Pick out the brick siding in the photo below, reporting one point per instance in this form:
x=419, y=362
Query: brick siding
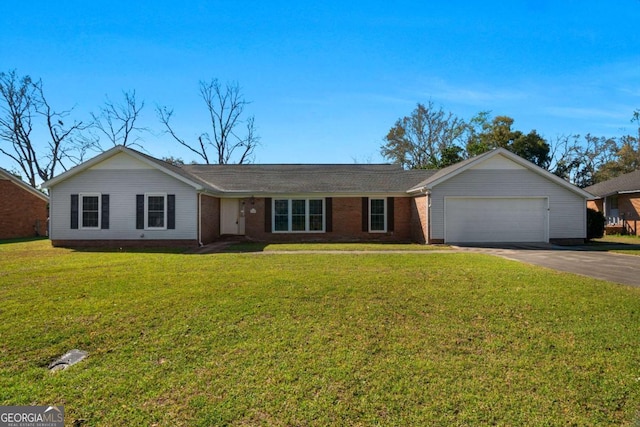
x=140, y=243
x=22, y=214
x=347, y=224
x=210, y=219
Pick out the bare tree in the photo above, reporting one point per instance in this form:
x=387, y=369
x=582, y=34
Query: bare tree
x=118, y=121
x=23, y=107
x=231, y=138
x=427, y=139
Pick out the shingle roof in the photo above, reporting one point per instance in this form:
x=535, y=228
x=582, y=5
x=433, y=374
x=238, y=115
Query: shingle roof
x=307, y=178
x=4, y=174
x=623, y=183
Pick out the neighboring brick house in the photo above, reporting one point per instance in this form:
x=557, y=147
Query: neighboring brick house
x=619, y=200
x=124, y=197
x=23, y=209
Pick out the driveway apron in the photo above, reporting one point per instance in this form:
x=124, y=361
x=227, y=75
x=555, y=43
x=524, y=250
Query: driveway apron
x=613, y=267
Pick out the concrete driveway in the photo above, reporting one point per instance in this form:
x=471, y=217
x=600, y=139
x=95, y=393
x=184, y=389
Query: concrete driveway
x=614, y=267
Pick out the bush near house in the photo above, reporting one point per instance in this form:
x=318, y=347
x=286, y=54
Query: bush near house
x=595, y=224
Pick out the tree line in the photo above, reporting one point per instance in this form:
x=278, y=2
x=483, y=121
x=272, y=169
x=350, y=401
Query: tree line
x=431, y=138
x=43, y=141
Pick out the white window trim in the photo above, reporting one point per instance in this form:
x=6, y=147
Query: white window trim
x=306, y=214
x=146, y=211
x=384, y=200
x=81, y=196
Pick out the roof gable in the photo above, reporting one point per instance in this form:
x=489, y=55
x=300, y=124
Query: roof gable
x=6, y=175
x=120, y=157
x=499, y=158
x=627, y=183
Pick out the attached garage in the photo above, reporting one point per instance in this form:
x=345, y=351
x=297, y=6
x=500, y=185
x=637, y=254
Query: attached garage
x=496, y=219
x=499, y=197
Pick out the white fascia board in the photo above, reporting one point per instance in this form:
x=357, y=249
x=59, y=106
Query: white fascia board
x=110, y=153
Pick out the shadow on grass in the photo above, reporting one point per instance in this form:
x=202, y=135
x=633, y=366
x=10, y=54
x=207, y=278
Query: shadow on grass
x=22, y=240
x=243, y=247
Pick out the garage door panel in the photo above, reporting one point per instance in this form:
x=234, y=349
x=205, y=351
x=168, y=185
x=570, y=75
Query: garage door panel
x=495, y=220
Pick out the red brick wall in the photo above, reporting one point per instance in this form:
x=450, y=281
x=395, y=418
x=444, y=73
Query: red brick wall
x=629, y=206
x=140, y=243
x=419, y=219
x=595, y=204
x=210, y=219
x=22, y=214
x=347, y=224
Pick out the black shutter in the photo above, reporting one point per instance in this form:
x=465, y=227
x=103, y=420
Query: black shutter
x=328, y=219
x=139, y=211
x=365, y=214
x=267, y=214
x=171, y=211
x=74, y=211
x=390, y=213
x=105, y=212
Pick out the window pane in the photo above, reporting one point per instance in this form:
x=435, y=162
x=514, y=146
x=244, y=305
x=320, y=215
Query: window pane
x=315, y=215
x=315, y=207
x=298, y=207
x=155, y=211
x=90, y=203
x=281, y=219
x=156, y=203
x=298, y=217
x=90, y=211
x=377, y=215
x=377, y=207
x=281, y=207
x=89, y=219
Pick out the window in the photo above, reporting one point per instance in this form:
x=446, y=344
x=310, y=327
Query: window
x=156, y=213
x=90, y=210
x=298, y=215
x=377, y=217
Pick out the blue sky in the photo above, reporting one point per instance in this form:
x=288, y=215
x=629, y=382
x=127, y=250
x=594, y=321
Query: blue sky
x=327, y=80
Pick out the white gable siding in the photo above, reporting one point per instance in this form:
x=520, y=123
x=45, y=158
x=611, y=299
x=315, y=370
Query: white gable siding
x=122, y=187
x=566, y=209
x=498, y=162
x=121, y=161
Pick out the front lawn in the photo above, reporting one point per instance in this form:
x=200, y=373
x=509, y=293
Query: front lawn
x=308, y=339
x=629, y=245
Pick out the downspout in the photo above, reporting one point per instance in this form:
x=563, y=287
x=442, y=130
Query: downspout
x=200, y=220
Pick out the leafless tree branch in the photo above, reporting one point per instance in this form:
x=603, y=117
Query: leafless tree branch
x=225, y=107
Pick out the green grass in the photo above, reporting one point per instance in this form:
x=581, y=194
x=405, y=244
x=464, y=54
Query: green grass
x=629, y=245
x=353, y=339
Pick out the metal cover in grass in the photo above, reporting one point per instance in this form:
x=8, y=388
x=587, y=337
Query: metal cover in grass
x=70, y=358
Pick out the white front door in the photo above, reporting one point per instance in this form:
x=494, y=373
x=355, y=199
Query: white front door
x=231, y=216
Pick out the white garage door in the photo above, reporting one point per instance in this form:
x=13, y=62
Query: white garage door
x=489, y=220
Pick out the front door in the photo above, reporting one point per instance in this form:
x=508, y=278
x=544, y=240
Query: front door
x=232, y=216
